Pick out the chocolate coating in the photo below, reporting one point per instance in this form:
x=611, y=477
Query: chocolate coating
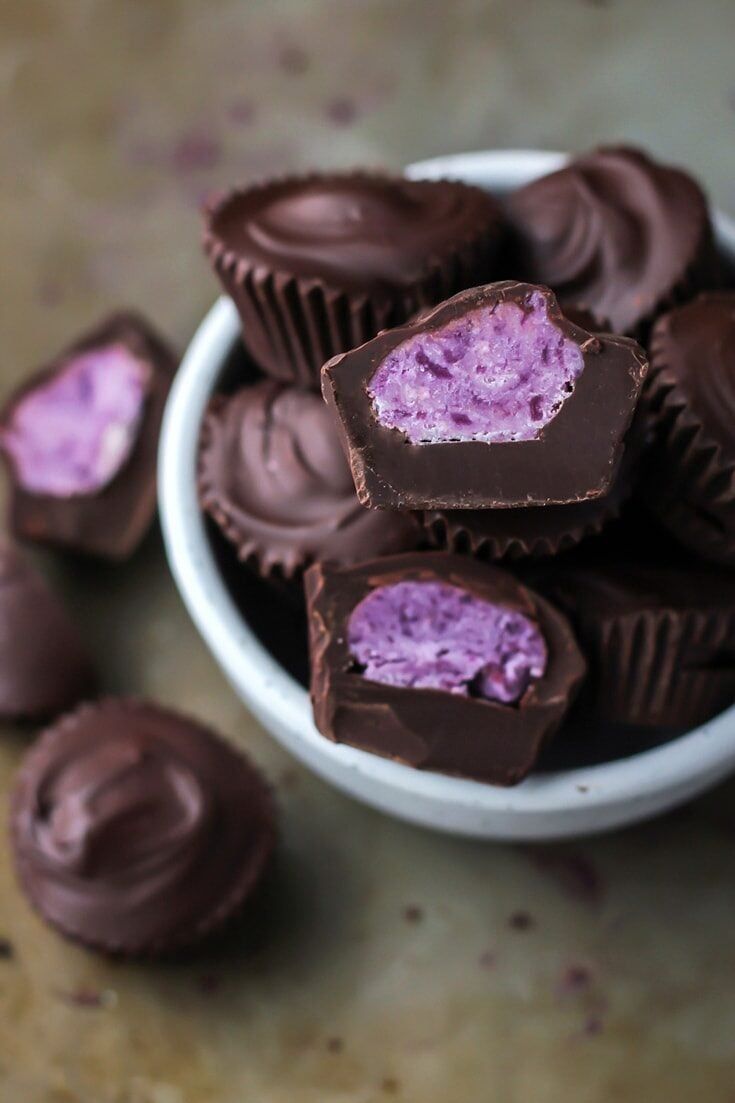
x=273, y=476
x=574, y=458
x=44, y=666
x=112, y=521
x=429, y=728
x=615, y=233
x=137, y=831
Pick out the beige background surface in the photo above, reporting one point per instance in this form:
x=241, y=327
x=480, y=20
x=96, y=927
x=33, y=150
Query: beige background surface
x=387, y=963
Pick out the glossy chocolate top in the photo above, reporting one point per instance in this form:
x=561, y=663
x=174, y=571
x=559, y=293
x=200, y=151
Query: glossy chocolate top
x=136, y=829
x=613, y=232
x=355, y=231
x=273, y=475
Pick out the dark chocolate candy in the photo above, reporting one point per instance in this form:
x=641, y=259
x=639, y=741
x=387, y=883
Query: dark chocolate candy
x=274, y=478
x=492, y=400
x=318, y=264
x=659, y=639
x=137, y=831
x=491, y=719
x=80, y=440
x=44, y=666
x=691, y=393
x=616, y=233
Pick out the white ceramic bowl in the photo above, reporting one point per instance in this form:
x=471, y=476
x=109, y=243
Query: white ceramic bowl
x=546, y=806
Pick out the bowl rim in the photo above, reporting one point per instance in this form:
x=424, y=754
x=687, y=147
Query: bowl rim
x=568, y=802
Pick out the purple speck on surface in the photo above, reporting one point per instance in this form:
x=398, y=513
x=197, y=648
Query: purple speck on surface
x=487, y=960
x=573, y=872
x=521, y=921
x=575, y=980
x=242, y=112
x=293, y=59
x=592, y=1026
x=506, y=370
x=412, y=913
x=73, y=433
x=195, y=151
x=341, y=111
x=430, y=635
x=335, y=1045
x=89, y=999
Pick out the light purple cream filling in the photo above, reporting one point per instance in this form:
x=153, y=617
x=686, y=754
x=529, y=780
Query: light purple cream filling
x=72, y=434
x=496, y=374
x=430, y=635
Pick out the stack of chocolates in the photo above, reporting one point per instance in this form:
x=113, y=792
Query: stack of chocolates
x=513, y=512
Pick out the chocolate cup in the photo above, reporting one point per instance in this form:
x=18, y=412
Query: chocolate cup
x=294, y=321
x=658, y=641
x=425, y=728
x=103, y=925
x=591, y=426
x=111, y=523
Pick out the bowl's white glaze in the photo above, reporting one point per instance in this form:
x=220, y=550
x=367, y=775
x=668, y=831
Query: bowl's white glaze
x=546, y=806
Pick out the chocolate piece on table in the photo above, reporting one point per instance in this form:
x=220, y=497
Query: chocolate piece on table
x=492, y=400
x=439, y=662
x=44, y=666
x=691, y=394
x=273, y=477
x=80, y=440
x=615, y=233
x=137, y=831
x=659, y=639
x=318, y=264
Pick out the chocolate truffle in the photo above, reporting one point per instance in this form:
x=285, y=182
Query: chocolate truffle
x=137, y=831
x=491, y=400
x=273, y=477
x=691, y=393
x=439, y=662
x=80, y=440
x=44, y=666
x=319, y=264
x=659, y=640
x=615, y=233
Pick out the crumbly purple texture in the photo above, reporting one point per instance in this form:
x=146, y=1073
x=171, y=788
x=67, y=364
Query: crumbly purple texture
x=430, y=635
x=499, y=373
x=72, y=434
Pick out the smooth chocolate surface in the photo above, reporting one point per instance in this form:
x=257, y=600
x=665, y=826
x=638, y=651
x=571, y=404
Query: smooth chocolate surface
x=575, y=455
x=273, y=476
x=104, y=510
x=659, y=639
x=429, y=728
x=615, y=233
x=44, y=666
x=136, y=830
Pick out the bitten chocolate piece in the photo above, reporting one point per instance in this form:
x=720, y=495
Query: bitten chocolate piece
x=137, y=831
x=659, y=640
x=691, y=393
x=490, y=400
x=318, y=264
x=439, y=662
x=80, y=440
x=615, y=233
x=44, y=666
x=273, y=477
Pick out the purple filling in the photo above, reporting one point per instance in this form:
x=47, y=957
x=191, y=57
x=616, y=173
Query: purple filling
x=429, y=635
x=499, y=373
x=73, y=433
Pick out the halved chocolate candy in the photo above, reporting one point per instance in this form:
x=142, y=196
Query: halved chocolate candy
x=80, y=440
x=491, y=400
x=440, y=662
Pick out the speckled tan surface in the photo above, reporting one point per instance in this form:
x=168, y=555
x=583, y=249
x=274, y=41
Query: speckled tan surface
x=387, y=963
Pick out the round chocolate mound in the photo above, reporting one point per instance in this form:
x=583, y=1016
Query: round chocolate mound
x=614, y=233
x=44, y=666
x=319, y=264
x=273, y=476
x=137, y=831
x=691, y=479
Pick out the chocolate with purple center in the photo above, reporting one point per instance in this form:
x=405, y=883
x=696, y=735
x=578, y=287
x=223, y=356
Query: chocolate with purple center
x=430, y=635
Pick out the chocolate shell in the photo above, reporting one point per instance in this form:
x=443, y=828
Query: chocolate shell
x=574, y=455
x=273, y=477
x=111, y=519
x=426, y=727
x=615, y=233
x=319, y=264
x=137, y=831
